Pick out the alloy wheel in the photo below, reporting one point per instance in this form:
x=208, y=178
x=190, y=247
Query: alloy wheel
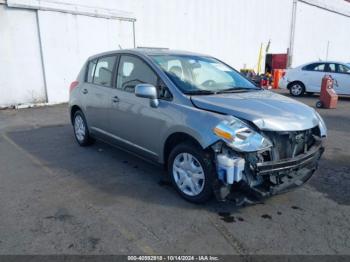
x=79, y=128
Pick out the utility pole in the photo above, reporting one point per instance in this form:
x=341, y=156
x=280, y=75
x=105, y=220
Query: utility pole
x=292, y=33
x=327, y=52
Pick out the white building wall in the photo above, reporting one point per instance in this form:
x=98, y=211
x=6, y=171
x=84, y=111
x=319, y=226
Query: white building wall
x=68, y=40
x=230, y=30
x=21, y=77
x=315, y=28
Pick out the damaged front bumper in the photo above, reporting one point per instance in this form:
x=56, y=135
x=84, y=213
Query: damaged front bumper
x=283, y=175
x=287, y=165
x=264, y=179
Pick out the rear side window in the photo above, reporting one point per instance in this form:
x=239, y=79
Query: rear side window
x=331, y=68
x=320, y=67
x=104, y=71
x=91, y=70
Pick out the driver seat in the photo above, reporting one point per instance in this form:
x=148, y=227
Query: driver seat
x=177, y=71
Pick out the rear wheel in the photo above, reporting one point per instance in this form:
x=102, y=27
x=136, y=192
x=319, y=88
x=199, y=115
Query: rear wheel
x=319, y=104
x=192, y=172
x=297, y=89
x=81, y=130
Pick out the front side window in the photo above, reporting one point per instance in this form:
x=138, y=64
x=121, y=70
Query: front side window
x=133, y=71
x=202, y=75
x=104, y=71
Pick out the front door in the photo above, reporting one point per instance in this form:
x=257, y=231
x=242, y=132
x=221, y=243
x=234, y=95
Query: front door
x=134, y=122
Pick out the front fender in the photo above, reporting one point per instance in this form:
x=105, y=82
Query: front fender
x=196, y=123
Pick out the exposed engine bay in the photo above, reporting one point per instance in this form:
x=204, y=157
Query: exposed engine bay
x=251, y=176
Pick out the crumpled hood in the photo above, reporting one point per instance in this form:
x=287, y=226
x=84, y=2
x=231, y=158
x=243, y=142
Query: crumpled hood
x=267, y=110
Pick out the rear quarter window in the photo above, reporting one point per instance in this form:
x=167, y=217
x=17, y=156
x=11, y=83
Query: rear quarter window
x=90, y=70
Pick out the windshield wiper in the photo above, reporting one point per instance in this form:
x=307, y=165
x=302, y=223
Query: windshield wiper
x=237, y=89
x=223, y=91
x=200, y=92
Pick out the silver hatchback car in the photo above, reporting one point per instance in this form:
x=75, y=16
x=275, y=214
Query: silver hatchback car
x=213, y=129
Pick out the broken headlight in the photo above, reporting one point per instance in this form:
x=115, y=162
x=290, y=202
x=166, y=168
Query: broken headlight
x=241, y=137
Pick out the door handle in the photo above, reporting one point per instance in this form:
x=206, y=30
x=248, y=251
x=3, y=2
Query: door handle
x=115, y=99
x=85, y=91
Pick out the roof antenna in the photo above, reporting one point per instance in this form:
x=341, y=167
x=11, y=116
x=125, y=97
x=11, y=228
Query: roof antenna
x=120, y=47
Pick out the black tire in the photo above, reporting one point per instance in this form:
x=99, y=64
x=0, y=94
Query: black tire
x=87, y=139
x=296, y=89
x=206, y=161
x=319, y=104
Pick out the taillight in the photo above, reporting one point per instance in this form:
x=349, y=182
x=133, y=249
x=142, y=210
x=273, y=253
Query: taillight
x=73, y=85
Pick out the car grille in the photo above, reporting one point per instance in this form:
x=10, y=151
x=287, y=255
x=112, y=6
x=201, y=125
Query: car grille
x=291, y=144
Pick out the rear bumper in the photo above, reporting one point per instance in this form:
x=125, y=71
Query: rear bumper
x=283, y=83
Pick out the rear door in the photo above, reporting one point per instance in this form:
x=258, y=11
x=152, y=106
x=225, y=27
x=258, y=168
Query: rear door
x=97, y=92
x=312, y=76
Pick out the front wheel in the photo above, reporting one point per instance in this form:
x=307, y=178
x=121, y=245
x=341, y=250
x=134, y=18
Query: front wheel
x=192, y=172
x=297, y=89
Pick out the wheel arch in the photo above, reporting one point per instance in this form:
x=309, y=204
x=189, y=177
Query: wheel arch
x=175, y=139
x=294, y=82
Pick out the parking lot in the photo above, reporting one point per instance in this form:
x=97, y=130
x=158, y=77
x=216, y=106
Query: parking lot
x=59, y=198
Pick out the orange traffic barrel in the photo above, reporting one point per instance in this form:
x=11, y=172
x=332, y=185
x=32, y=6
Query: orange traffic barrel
x=277, y=75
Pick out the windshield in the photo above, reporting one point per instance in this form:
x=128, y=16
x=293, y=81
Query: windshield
x=202, y=75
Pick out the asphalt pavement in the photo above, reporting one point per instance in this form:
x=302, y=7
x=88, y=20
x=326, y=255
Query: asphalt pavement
x=59, y=198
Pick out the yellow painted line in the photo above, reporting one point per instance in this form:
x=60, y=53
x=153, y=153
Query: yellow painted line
x=145, y=248
x=127, y=234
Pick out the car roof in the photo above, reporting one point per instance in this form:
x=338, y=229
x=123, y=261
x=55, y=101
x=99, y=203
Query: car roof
x=321, y=62
x=148, y=52
x=328, y=62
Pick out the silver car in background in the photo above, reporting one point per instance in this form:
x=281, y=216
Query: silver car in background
x=213, y=130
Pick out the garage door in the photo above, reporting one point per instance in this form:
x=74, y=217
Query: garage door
x=69, y=39
x=21, y=73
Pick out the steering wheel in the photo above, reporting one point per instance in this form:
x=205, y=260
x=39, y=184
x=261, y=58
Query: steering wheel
x=208, y=83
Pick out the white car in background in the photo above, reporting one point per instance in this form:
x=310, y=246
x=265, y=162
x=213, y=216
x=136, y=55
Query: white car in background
x=308, y=78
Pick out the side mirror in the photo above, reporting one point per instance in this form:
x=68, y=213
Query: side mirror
x=147, y=91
